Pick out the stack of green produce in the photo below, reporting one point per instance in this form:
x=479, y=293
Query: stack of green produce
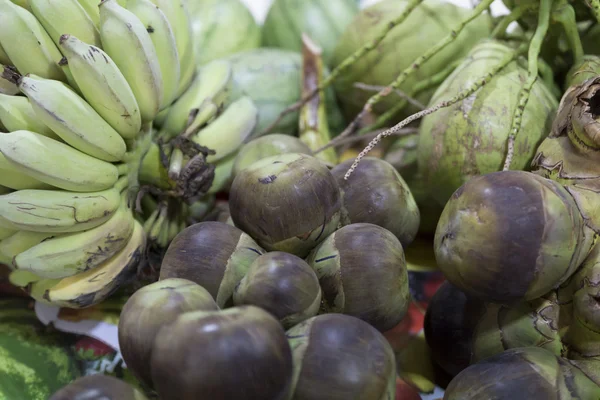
x=127, y=122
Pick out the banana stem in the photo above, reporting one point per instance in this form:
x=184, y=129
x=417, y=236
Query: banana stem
x=123, y=169
x=158, y=224
x=176, y=164
x=346, y=63
x=121, y=184
x=565, y=15
x=151, y=220
x=481, y=7
x=477, y=84
x=534, y=52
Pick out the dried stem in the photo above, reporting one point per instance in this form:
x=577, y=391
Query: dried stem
x=525, y=92
x=479, y=83
x=481, y=7
x=400, y=93
x=346, y=63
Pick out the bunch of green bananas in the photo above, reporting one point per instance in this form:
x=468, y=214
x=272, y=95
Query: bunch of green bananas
x=85, y=89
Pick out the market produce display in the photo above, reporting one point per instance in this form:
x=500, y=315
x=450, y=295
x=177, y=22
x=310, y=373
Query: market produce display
x=393, y=201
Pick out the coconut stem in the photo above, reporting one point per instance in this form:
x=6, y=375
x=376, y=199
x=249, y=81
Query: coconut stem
x=477, y=84
x=418, y=88
x=517, y=13
x=565, y=15
x=534, y=52
x=481, y=7
x=595, y=5
x=348, y=61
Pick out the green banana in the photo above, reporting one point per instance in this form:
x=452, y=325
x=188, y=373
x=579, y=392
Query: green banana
x=22, y=278
x=19, y=242
x=178, y=16
x=103, y=85
x=128, y=43
x=65, y=16
x=4, y=57
x=17, y=114
x=223, y=171
x=58, y=210
x=163, y=38
x=6, y=87
x=27, y=44
x=12, y=178
x=73, y=253
x=72, y=118
x=213, y=83
x=6, y=232
x=229, y=130
x=56, y=163
x=92, y=10
x=22, y=3
x=92, y=287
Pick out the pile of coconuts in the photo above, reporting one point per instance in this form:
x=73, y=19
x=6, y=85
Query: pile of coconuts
x=476, y=135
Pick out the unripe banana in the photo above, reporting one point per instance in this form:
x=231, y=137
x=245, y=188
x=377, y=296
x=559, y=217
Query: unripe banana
x=17, y=114
x=223, y=171
x=4, y=57
x=178, y=16
x=128, y=43
x=21, y=241
x=12, y=178
x=22, y=278
x=58, y=210
x=226, y=133
x=7, y=87
x=72, y=118
x=163, y=38
x=56, y=163
x=65, y=17
x=212, y=83
x=103, y=85
x=22, y=3
x=92, y=287
x=27, y=44
x=6, y=232
x=74, y=253
x=92, y=10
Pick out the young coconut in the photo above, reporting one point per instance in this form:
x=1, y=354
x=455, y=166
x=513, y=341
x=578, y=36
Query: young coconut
x=530, y=373
x=469, y=138
x=362, y=271
x=378, y=195
x=284, y=285
x=339, y=357
x=462, y=330
x=509, y=236
x=150, y=308
x=289, y=202
x=214, y=255
x=240, y=353
x=267, y=146
x=96, y=387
